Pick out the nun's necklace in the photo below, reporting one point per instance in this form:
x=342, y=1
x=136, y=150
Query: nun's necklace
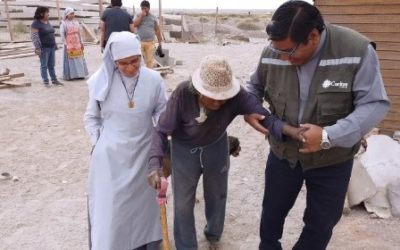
x=131, y=103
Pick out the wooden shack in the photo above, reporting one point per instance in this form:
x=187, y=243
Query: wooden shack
x=380, y=21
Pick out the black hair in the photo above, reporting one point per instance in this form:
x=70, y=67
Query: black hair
x=145, y=4
x=295, y=19
x=116, y=3
x=39, y=12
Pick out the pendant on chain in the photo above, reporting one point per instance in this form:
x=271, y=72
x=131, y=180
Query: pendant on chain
x=131, y=104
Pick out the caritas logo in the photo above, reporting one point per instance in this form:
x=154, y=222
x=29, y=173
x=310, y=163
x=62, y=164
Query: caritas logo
x=328, y=83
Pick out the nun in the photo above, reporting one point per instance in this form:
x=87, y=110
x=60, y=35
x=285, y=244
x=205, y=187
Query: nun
x=125, y=101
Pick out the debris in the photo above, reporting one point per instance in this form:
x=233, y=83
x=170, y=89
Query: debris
x=13, y=80
x=6, y=72
x=5, y=176
x=396, y=135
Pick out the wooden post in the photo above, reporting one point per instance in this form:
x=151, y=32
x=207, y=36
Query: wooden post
x=10, y=28
x=160, y=18
x=100, y=8
x=58, y=12
x=216, y=22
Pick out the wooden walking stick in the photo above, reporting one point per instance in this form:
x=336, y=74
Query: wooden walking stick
x=162, y=200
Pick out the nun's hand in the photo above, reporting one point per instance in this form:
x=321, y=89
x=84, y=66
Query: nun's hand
x=154, y=178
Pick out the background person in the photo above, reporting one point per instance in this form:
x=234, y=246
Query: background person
x=147, y=28
x=44, y=41
x=74, y=64
x=114, y=19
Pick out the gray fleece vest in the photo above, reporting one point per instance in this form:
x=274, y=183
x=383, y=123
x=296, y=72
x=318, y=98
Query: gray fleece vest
x=330, y=95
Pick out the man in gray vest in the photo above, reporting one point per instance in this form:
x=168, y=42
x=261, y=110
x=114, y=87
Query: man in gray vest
x=324, y=78
x=147, y=28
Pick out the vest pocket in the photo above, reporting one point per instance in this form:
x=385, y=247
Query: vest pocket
x=332, y=106
x=276, y=101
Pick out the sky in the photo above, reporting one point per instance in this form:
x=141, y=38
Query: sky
x=211, y=4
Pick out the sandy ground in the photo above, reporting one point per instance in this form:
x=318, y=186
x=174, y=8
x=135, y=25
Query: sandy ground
x=44, y=144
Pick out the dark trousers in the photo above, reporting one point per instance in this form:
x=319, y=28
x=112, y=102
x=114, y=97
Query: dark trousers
x=326, y=191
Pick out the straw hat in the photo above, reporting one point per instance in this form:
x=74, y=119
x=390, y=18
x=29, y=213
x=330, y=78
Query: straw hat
x=214, y=79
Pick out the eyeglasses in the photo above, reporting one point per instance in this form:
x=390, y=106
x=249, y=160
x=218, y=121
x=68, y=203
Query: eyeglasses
x=135, y=62
x=287, y=52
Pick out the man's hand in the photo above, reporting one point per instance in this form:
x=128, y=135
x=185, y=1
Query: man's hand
x=254, y=121
x=154, y=178
x=312, y=138
x=295, y=133
x=144, y=13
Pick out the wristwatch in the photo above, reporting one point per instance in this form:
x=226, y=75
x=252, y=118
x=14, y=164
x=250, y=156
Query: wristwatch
x=325, y=143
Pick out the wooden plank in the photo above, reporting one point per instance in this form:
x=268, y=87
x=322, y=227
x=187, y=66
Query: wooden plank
x=11, y=76
x=17, y=82
x=372, y=27
x=89, y=32
x=18, y=56
x=390, y=73
x=390, y=124
x=390, y=64
x=92, y=20
x=319, y=3
x=394, y=106
x=388, y=46
x=395, y=99
x=16, y=75
x=383, y=37
x=391, y=82
x=4, y=78
x=389, y=55
x=383, y=19
x=361, y=9
x=15, y=51
x=393, y=90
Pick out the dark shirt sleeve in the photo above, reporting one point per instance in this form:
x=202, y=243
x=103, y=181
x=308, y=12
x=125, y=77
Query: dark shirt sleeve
x=249, y=104
x=103, y=17
x=168, y=122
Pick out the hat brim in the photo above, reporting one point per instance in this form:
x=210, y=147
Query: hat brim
x=223, y=95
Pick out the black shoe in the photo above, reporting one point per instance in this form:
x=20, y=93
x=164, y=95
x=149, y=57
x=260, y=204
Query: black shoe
x=57, y=83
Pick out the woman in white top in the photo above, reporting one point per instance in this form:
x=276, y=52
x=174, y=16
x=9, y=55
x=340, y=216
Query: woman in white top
x=125, y=99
